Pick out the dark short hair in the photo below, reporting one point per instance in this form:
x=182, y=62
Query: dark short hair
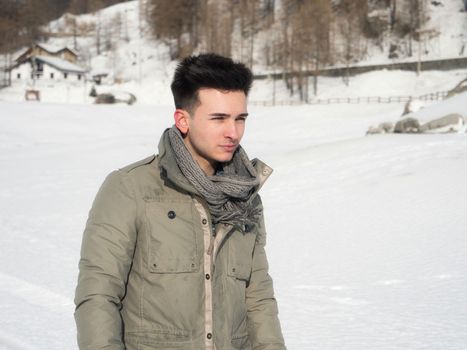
x=207, y=71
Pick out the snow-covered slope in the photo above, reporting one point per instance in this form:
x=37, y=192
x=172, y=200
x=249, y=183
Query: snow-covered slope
x=366, y=234
x=445, y=36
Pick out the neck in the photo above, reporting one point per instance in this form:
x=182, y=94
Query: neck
x=208, y=167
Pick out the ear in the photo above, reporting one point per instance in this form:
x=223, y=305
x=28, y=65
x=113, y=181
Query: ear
x=181, y=118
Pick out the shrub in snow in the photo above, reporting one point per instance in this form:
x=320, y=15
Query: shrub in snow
x=115, y=97
x=407, y=126
x=105, y=99
x=449, y=123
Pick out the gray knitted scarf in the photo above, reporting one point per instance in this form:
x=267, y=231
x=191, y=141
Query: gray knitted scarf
x=228, y=192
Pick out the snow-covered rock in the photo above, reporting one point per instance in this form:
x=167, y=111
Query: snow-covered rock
x=407, y=126
x=449, y=123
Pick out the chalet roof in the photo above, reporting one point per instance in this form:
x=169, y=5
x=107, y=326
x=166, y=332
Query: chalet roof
x=60, y=64
x=55, y=49
x=52, y=49
x=48, y=47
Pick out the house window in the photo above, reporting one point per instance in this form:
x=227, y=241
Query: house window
x=65, y=75
x=40, y=67
x=18, y=76
x=79, y=76
x=51, y=75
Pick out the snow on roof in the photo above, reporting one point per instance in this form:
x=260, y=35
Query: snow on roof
x=50, y=48
x=61, y=64
x=46, y=47
x=53, y=48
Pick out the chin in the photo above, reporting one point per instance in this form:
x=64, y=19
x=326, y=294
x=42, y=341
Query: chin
x=225, y=158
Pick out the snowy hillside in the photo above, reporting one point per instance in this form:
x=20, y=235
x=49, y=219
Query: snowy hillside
x=141, y=65
x=446, y=35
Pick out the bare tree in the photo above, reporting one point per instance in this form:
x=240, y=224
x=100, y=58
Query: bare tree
x=170, y=20
x=98, y=28
x=87, y=6
x=409, y=17
x=306, y=41
x=352, y=16
x=217, y=26
x=417, y=18
x=31, y=15
x=249, y=25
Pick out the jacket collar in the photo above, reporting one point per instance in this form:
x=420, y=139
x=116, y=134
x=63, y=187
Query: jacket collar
x=263, y=170
x=174, y=174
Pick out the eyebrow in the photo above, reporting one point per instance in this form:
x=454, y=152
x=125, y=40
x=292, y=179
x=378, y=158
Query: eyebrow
x=227, y=115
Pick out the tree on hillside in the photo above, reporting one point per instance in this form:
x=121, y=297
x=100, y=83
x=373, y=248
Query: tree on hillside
x=8, y=24
x=170, y=20
x=216, y=27
x=32, y=14
x=306, y=41
x=417, y=18
x=99, y=29
x=79, y=6
x=250, y=23
x=352, y=16
x=87, y=6
x=56, y=8
x=409, y=17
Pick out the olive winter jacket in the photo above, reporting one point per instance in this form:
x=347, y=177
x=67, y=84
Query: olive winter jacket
x=155, y=273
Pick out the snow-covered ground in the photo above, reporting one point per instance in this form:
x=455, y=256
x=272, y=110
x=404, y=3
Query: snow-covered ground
x=367, y=241
x=154, y=88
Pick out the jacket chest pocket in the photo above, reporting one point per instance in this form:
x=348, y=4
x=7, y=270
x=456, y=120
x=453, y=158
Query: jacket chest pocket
x=241, y=246
x=172, y=244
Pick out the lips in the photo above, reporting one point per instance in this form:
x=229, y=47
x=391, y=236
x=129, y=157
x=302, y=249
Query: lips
x=229, y=148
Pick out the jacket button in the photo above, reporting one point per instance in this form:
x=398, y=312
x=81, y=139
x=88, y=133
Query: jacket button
x=171, y=214
x=207, y=276
x=209, y=336
x=204, y=221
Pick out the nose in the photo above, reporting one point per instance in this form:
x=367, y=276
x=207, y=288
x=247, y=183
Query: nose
x=230, y=130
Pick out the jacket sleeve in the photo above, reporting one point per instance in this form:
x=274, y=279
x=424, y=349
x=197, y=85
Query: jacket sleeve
x=106, y=256
x=262, y=313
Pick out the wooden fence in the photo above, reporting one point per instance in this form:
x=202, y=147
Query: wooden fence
x=439, y=95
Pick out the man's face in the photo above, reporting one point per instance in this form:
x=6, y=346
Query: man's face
x=215, y=127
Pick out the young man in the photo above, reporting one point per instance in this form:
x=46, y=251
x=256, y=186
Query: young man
x=173, y=251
